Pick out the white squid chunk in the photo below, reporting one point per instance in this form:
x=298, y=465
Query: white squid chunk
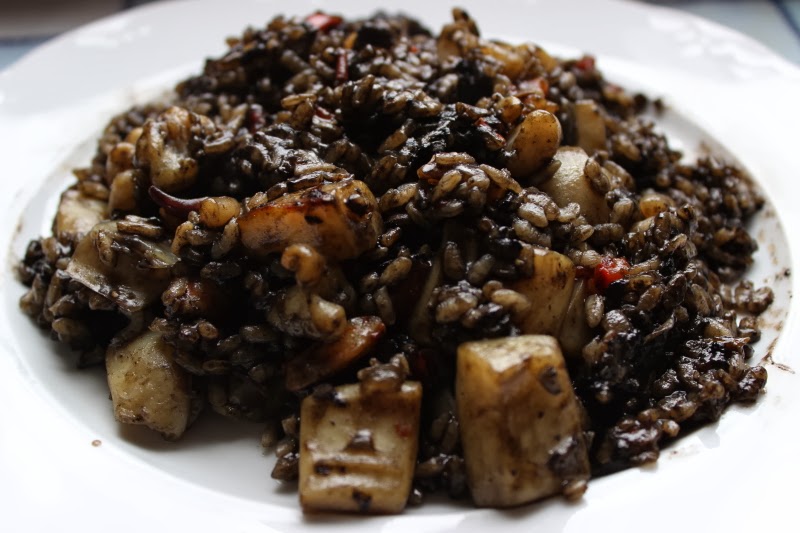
x=358, y=450
x=520, y=421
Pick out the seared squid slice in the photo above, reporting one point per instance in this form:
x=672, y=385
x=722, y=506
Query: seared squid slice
x=359, y=338
x=77, y=214
x=133, y=278
x=590, y=127
x=548, y=290
x=340, y=220
x=575, y=332
x=165, y=148
x=358, y=448
x=147, y=386
x=520, y=421
x=571, y=184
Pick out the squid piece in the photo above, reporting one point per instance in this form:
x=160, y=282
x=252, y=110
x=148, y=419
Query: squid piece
x=549, y=290
x=122, y=195
x=571, y=184
x=358, y=449
x=359, y=338
x=340, y=220
x=512, y=59
x=590, y=127
x=147, y=386
x=421, y=322
x=575, y=332
x=547, y=61
x=77, y=214
x=521, y=425
x=132, y=279
x=164, y=149
x=456, y=37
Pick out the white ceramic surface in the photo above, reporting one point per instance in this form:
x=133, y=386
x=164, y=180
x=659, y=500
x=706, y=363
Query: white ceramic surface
x=738, y=474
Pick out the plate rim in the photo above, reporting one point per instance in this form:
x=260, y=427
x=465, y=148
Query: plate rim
x=255, y=512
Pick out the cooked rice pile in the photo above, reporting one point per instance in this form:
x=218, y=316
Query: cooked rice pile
x=448, y=227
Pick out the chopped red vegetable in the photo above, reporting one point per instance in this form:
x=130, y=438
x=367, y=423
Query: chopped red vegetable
x=585, y=63
x=322, y=22
x=254, y=118
x=609, y=270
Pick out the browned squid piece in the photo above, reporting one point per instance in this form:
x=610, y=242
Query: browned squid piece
x=358, y=444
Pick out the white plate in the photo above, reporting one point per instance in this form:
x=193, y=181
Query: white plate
x=737, y=474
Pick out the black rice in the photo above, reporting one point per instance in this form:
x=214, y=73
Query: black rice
x=423, y=120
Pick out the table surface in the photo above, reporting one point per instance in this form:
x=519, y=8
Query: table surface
x=25, y=25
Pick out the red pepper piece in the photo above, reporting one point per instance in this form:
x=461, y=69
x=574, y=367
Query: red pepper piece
x=585, y=63
x=609, y=270
x=254, y=118
x=322, y=22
